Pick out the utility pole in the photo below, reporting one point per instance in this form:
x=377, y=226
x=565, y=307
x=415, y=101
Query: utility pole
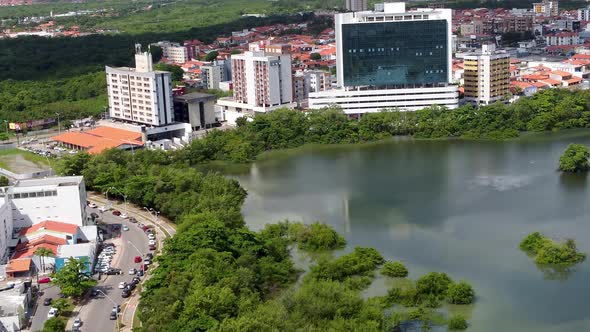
x=58, y=124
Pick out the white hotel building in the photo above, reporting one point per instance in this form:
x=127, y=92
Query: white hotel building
x=391, y=58
x=141, y=94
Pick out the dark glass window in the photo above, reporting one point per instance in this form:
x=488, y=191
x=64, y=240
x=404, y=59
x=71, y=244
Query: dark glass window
x=392, y=53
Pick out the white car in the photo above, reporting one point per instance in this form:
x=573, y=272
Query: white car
x=92, y=205
x=132, y=271
x=125, y=228
x=52, y=313
x=152, y=242
x=77, y=322
x=103, y=209
x=124, y=215
x=151, y=237
x=122, y=284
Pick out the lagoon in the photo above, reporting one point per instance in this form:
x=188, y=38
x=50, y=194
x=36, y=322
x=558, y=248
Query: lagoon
x=453, y=206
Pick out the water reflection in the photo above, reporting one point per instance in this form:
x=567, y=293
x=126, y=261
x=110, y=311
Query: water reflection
x=574, y=182
x=556, y=272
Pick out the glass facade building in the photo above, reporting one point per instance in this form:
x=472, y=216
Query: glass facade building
x=395, y=53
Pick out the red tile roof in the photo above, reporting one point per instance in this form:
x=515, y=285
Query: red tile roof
x=50, y=225
x=100, y=138
x=30, y=251
x=19, y=265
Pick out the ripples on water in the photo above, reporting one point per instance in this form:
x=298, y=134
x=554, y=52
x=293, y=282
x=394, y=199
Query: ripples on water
x=502, y=182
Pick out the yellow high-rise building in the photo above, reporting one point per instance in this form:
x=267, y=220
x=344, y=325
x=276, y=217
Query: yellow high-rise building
x=486, y=75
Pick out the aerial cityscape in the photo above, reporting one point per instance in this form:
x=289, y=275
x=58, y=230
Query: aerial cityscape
x=253, y=165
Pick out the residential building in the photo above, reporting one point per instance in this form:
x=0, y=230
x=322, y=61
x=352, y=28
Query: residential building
x=212, y=74
x=546, y=8
x=15, y=306
x=584, y=14
x=300, y=88
x=262, y=81
x=5, y=228
x=174, y=52
x=356, y=5
x=56, y=198
x=140, y=95
x=486, y=75
x=562, y=38
x=318, y=80
x=195, y=108
x=391, y=58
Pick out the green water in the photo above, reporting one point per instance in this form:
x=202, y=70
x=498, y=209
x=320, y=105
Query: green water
x=459, y=207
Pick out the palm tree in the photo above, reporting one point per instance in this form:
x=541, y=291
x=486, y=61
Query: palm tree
x=43, y=252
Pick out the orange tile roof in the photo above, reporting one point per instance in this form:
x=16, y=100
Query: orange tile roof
x=30, y=251
x=100, y=138
x=539, y=84
x=19, y=265
x=522, y=85
x=50, y=225
x=581, y=56
x=574, y=79
x=43, y=239
x=550, y=81
x=561, y=73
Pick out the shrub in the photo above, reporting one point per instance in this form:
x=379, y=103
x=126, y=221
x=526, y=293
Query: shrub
x=394, y=270
x=533, y=242
x=316, y=237
x=457, y=322
x=461, y=293
x=548, y=251
x=433, y=283
x=574, y=158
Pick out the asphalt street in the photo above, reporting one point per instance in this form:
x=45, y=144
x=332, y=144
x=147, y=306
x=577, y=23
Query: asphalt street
x=96, y=311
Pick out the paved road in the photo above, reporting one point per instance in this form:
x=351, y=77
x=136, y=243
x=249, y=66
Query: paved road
x=42, y=311
x=95, y=314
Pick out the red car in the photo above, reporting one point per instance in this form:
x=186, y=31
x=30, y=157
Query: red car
x=116, y=213
x=137, y=259
x=45, y=280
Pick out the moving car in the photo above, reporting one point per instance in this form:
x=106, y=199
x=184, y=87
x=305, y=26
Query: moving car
x=47, y=301
x=45, y=280
x=116, y=213
x=52, y=313
x=113, y=271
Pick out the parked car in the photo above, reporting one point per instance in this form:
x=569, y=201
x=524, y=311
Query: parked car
x=47, y=301
x=132, y=220
x=77, y=322
x=139, y=273
x=117, y=308
x=152, y=242
x=125, y=228
x=113, y=271
x=152, y=247
x=125, y=293
x=147, y=261
x=151, y=237
x=92, y=205
x=137, y=259
x=94, y=292
x=124, y=215
x=116, y=213
x=52, y=313
x=122, y=284
x=149, y=255
x=113, y=315
x=103, y=209
x=132, y=271
x=44, y=280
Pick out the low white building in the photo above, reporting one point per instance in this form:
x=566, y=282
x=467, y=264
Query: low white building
x=6, y=225
x=562, y=38
x=14, y=304
x=56, y=198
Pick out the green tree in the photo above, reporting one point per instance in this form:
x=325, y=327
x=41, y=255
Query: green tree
x=574, y=158
x=394, y=270
x=61, y=305
x=315, y=56
x=211, y=56
x=533, y=242
x=457, y=322
x=54, y=324
x=71, y=278
x=461, y=293
x=42, y=253
x=73, y=164
x=4, y=181
x=157, y=53
x=433, y=287
x=176, y=71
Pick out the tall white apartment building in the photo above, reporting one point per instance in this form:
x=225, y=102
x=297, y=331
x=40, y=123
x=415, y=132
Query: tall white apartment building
x=174, y=52
x=546, y=8
x=262, y=82
x=212, y=74
x=356, y=5
x=391, y=58
x=140, y=95
x=487, y=75
x=584, y=14
x=318, y=80
x=61, y=199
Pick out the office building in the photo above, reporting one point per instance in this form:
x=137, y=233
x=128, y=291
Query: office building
x=546, y=8
x=356, y=5
x=262, y=82
x=140, y=95
x=391, y=58
x=213, y=74
x=195, y=108
x=487, y=75
x=61, y=199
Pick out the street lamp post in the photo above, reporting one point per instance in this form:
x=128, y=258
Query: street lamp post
x=58, y=124
x=114, y=303
x=124, y=197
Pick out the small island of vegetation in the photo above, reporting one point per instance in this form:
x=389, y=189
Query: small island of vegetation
x=574, y=159
x=548, y=251
x=394, y=270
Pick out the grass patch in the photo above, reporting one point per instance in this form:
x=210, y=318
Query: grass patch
x=7, y=156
